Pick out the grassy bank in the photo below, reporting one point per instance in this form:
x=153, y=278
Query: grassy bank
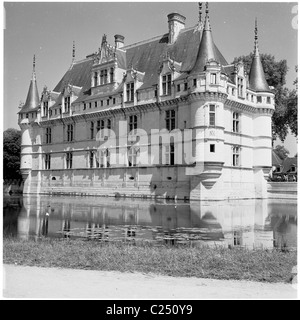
x=203, y=262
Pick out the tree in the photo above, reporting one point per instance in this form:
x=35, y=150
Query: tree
x=285, y=115
x=11, y=154
x=281, y=151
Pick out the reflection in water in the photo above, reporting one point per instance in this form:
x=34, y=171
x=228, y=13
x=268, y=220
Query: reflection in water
x=249, y=223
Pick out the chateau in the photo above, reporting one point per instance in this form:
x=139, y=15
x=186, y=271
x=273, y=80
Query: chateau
x=166, y=118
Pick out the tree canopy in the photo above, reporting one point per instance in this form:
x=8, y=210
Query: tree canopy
x=11, y=154
x=281, y=151
x=286, y=101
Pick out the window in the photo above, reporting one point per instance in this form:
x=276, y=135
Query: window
x=114, y=100
x=107, y=102
x=240, y=87
x=236, y=156
x=101, y=77
x=232, y=91
x=195, y=82
x=178, y=87
x=47, y=161
x=212, y=115
x=105, y=76
x=268, y=100
x=235, y=122
x=130, y=91
x=108, y=124
x=170, y=154
x=48, y=135
x=70, y=132
x=170, y=120
x=96, y=104
x=212, y=148
x=55, y=111
x=84, y=106
x=45, y=108
x=100, y=126
x=67, y=104
x=166, y=84
x=132, y=156
x=101, y=103
x=293, y=169
x=132, y=122
x=259, y=99
x=111, y=75
x=91, y=159
x=185, y=86
x=69, y=160
x=95, y=79
x=92, y=130
x=90, y=105
x=213, y=78
x=27, y=115
x=252, y=98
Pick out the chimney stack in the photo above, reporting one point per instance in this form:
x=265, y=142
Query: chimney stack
x=176, y=23
x=119, y=41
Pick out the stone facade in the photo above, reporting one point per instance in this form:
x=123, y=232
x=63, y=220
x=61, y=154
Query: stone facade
x=219, y=118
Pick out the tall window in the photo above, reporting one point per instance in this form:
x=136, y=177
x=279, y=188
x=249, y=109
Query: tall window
x=166, y=84
x=95, y=79
x=92, y=130
x=240, y=87
x=130, y=91
x=132, y=156
x=132, y=122
x=69, y=160
x=170, y=119
x=109, y=125
x=48, y=135
x=236, y=156
x=268, y=100
x=102, y=77
x=236, y=122
x=91, y=159
x=67, y=104
x=70, y=131
x=170, y=154
x=259, y=99
x=105, y=76
x=212, y=115
x=111, y=75
x=47, y=161
x=45, y=108
x=213, y=78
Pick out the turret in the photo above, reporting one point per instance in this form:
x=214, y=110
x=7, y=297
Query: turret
x=27, y=116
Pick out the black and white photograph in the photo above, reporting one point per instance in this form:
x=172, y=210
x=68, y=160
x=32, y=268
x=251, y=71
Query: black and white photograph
x=150, y=153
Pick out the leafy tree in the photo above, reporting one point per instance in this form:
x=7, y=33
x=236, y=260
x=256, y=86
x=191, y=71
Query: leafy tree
x=285, y=115
x=281, y=151
x=11, y=154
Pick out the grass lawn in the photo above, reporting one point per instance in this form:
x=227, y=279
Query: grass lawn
x=176, y=261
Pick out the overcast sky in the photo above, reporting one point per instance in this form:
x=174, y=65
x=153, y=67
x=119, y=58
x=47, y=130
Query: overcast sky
x=49, y=29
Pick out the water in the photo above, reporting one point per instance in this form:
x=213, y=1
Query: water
x=246, y=223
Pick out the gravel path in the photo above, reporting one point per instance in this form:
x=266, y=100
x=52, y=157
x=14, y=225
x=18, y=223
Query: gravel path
x=21, y=282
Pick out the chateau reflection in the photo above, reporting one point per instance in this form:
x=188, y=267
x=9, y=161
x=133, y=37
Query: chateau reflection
x=249, y=223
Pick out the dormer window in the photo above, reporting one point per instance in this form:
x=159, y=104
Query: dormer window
x=130, y=91
x=240, y=87
x=213, y=78
x=45, y=108
x=95, y=79
x=166, y=84
x=112, y=75
x=268, y=100
x=67, y=104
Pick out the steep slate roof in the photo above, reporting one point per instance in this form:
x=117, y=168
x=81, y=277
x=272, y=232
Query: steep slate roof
x=276, y=161
x=145, y=56
x=288, y=163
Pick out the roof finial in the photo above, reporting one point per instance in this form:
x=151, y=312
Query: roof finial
x=33, y=68
x=256, y=38
x=200, y=11
x=206, y=11
x=73, y=53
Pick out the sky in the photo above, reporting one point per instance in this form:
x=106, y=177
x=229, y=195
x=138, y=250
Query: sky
x=48, y=29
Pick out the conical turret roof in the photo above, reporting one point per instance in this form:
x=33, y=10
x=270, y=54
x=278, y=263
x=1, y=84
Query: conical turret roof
x=207, y=49
x=257, y=79
x=32, y=100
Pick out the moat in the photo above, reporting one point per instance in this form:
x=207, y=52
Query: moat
x=248, y=223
